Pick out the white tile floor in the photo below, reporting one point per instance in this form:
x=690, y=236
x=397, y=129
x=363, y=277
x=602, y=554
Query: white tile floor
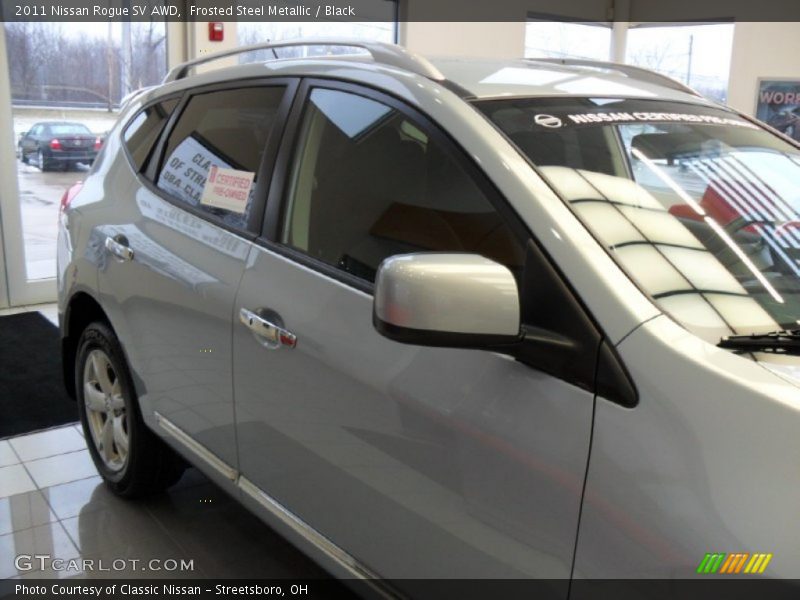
x=44, y=459
x=7, y=455
x=58, y=505
x=47, y=443
x=14, y=480
x=61, y=468
x=53, y=502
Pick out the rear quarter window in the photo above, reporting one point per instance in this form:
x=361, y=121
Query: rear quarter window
x=142, y=131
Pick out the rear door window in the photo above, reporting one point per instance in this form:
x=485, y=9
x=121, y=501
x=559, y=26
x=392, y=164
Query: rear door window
x=220, y=135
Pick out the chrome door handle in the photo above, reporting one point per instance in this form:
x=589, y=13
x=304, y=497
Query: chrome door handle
x=268, y=330
x=119, y=248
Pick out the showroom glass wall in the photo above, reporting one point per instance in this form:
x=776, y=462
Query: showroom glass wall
x=255, y=33
x=698, y=55
x=61, y=112
x=554, y=39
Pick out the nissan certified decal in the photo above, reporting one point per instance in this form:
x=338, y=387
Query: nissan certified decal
x=593, y=118
x=547, y=121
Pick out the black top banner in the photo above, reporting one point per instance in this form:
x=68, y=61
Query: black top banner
x=586, y=11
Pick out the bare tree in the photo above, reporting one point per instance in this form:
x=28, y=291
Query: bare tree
x=655, y=56
x=148, y=54
x=46, y=64
x=21, y=68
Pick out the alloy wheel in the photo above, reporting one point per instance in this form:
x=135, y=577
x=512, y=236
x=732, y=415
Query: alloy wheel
x=106, y=413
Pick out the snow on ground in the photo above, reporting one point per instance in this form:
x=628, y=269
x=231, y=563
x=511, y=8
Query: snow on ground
x=97, y=120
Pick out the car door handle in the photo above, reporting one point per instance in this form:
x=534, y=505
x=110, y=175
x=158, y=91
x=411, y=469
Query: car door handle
x=119, y=248
x=268, y=330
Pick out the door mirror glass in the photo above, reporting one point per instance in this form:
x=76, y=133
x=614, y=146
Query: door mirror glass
x=453, y=300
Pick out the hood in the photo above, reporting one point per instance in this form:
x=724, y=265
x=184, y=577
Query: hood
x=785, y=370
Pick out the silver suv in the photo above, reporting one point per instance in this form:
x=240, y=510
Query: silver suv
x=450, y=319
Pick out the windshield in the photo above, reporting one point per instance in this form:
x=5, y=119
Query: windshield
x=698, y=205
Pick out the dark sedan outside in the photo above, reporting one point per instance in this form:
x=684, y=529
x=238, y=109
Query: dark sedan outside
x=58, y=144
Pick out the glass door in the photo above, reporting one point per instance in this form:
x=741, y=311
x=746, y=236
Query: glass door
x=59, y=112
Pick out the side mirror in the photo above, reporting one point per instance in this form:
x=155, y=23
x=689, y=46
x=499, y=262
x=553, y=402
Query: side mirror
x=452, y=300
x=23, y=134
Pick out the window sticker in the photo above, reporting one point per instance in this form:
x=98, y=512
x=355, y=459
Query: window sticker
x=228, y=189
x=185, y=171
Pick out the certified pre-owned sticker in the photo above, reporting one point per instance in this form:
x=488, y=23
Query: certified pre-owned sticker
x=228, y=189
x=547, y=121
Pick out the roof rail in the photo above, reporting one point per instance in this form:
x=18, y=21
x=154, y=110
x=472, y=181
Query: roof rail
x=383, y=53
x=133, y=95
x=631, y=71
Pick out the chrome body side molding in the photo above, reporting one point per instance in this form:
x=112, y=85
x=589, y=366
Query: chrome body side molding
x=300, y=527
x=273, y=507
x=196, y=448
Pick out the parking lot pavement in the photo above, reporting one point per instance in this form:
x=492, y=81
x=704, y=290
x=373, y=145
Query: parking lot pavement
x=39, y=196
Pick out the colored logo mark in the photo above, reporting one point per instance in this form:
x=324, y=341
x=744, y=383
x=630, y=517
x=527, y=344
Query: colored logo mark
x=734, y=563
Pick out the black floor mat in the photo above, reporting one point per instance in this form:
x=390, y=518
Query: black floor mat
x=32, y=394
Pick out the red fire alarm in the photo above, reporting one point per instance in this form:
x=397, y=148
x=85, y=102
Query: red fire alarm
x=216, y=32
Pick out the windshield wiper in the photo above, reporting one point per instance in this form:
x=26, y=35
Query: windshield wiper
x=779, y=342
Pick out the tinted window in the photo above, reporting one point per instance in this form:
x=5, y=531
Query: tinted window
x=227, y=130
x=143, y=130
x=369, y=182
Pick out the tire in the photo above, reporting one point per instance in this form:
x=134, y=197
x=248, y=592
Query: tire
x=42, y=161
x=130, y=458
